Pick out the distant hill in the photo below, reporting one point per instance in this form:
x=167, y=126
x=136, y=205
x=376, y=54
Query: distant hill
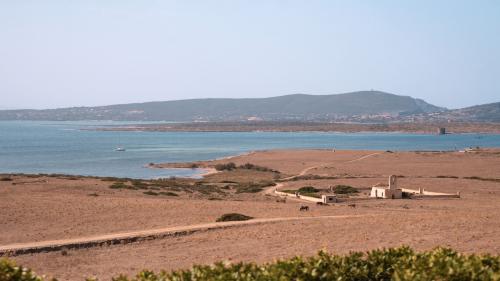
x=480, y=113
x=364, y=105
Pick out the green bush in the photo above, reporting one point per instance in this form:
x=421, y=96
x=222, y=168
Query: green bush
x=401, y=264
x=311, y=194
x=344, y=189
x=10, y=271
x=308, y=189
x=233, y=217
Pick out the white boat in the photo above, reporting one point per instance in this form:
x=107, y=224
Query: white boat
x=119, y=149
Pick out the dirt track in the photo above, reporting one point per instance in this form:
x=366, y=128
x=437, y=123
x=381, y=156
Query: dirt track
x=134, y=236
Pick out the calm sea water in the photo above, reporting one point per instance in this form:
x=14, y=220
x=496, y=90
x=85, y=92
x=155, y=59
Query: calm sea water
x=63, y=147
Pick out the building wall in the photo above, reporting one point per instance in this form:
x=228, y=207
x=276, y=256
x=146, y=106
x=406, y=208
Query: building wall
x=380, y=192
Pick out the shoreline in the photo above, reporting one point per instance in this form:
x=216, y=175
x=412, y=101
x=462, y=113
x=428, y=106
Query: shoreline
x=303, y=127
x=205, y=168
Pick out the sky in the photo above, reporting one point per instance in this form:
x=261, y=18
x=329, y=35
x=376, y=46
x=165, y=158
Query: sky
x=98, y=52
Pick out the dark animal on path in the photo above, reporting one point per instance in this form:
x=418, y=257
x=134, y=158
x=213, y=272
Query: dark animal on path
x=352, y=205
x=304, y=208
x=321, y=204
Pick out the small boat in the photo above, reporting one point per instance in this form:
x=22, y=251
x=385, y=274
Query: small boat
x=119, y=149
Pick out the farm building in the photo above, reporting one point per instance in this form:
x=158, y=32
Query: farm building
x=387, y=191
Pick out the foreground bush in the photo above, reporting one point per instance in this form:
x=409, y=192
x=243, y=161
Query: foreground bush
x=402, y=264
x=9, y=271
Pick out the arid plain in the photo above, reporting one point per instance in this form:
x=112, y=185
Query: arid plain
x=58, y=207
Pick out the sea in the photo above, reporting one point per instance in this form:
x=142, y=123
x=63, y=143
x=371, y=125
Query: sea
x=77, y=148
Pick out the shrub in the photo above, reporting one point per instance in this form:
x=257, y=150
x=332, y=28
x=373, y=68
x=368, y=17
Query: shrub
x=10, y=271
x=140, y=184
x=225, y=167
x=253, y=187
x=308, y=189
x=168, y=193
x=401, y=264
x=447, y=177
x=118, y=185
x=151, y=193
x=250, y=166
x=249, y=188
x=344, y=189
x=482, y=179
x=233, y=217
x=311, y=194
x=5, y=179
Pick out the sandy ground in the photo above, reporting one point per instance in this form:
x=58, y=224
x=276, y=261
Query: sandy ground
x=52, y=208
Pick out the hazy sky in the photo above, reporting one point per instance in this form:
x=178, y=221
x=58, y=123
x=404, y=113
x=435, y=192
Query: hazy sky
x=72, y=53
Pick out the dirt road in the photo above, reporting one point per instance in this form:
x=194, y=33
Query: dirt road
x=134, y=236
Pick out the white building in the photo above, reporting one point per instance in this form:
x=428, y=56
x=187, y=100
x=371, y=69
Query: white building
x=390, y=191
x=328, y=198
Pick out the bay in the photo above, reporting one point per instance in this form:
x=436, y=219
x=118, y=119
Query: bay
x=76, y=148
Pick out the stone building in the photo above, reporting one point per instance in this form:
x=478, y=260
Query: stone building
x=387, y=191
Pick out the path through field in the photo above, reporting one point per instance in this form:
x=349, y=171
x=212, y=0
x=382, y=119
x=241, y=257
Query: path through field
x=134, y=236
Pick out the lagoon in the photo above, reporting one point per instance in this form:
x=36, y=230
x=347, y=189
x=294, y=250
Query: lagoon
x=76, y=148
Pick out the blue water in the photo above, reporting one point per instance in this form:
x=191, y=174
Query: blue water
x=63, y=147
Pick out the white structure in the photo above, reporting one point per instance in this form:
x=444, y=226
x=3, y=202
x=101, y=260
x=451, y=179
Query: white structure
x=390, y=191
x=328, y=198
x=325, y=198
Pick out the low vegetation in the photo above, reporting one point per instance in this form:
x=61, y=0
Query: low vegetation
x=149, y=192
x=225, y=167
x=447, y=177
x=308, y=189
x=253, y=187
x=344, y=189
x=311, y=194
x=482, y=179
x=248, y=166
x=5, y=178
x=233, y=217
x=403, y=264
x=120, y=185
x=168, y=193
